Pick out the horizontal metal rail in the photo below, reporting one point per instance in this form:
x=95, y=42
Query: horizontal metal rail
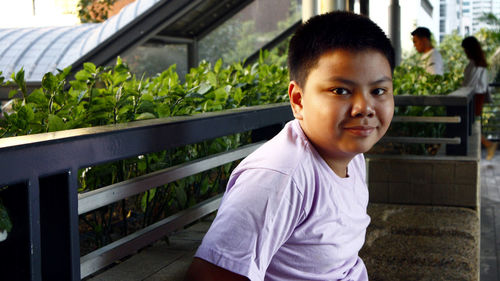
x=85, y=147
x=106, y=195
x=455, y=140
x=427, y=119
x=460, y=97
x=108, y=254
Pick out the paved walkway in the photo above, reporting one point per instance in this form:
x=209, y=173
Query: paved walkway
x=162, y=261
x=490, y=218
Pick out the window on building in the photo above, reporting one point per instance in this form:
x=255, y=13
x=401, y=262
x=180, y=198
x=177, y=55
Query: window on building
x=442, y=10
x=249, y=30
x=427, y=6
x=149, y=60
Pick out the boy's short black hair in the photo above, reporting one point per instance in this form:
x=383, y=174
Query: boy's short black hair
x=422, y=32
x=331, y=31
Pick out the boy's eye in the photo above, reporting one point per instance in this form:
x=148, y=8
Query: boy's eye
x=378, y=91
x=340, y=91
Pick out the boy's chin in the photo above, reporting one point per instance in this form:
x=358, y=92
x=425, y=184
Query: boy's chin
x=362, y=149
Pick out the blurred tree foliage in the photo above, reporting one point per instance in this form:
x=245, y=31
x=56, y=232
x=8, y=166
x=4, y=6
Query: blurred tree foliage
x=94, y=10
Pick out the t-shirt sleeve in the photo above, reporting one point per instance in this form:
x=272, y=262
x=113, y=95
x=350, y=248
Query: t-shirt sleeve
x=258, y=213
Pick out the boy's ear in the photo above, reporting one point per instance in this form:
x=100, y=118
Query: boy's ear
x=295, y=94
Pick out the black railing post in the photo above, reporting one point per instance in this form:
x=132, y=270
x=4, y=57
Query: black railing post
x=266, y=133
x=461, y=129
x=20, y=256
x=59, y=227
x=472, y=113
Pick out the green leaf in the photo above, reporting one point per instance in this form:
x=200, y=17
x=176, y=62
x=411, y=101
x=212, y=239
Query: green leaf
x=212, y=79
x=5, y=223
x=146, y=106
x=142, y=165
x=89, y=67
x=19, y=77
x=145, y=115
x=124, y=110
x=204, y=88
x=218, y=66
x=37, y=97
x=82, y=75
x=55, y=123
x=164, y=111
x=221, y=95
x=205, y=186
x=147, y=197
x=180, y=195
x=12, y=93
x=49, y=81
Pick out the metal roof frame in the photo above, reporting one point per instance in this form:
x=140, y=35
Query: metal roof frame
x=158, y=20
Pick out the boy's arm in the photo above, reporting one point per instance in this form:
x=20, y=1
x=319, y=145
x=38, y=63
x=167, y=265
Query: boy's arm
x=201, y=270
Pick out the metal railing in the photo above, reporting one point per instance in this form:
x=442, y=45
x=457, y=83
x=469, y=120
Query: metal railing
x=490, y=121
x=41, y=176
x=460, y=117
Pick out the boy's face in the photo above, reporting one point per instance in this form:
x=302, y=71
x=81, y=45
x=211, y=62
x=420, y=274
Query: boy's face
x=347, y=103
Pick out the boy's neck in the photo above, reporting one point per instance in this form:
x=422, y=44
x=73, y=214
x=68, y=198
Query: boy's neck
x=339, y=167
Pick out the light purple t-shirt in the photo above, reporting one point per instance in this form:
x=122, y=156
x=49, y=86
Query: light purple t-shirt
x=287, y=216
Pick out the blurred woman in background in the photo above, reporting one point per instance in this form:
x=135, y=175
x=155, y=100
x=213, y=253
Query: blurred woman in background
x=476, y=77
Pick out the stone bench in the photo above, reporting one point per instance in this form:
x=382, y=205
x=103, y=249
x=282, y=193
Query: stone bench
x=405, y=242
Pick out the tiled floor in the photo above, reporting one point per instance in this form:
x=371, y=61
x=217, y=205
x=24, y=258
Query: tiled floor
x=490, y=218
x=162, y=261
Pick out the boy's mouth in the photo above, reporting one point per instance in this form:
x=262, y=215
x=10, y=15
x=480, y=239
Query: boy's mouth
x=362, y=131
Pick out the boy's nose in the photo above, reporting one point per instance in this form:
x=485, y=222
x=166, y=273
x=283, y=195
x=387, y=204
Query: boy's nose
x=362, y=106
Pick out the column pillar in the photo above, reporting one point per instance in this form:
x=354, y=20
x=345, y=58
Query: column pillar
x=364, y=7
x=308, y=9
x=395, y=28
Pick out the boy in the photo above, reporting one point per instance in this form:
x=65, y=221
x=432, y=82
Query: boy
x=295, y=209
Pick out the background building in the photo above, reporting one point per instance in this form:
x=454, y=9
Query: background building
x=479, y=8
x=413, y=13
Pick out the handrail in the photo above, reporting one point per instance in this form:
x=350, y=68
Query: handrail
x=78, y=148
x=461, y=97
x=427, y=119
x=422, y=140
x=459, y=119
x=94, y=199
x=41, y=172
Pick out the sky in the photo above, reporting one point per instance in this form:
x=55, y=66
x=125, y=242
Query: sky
x=19, y=13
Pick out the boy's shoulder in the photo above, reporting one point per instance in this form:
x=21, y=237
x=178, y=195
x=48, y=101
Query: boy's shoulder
x=283, y=153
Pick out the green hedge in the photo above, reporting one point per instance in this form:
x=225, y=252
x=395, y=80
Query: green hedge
x=109, y=95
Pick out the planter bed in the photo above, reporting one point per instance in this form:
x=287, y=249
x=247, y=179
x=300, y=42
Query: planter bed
x=405, y=242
